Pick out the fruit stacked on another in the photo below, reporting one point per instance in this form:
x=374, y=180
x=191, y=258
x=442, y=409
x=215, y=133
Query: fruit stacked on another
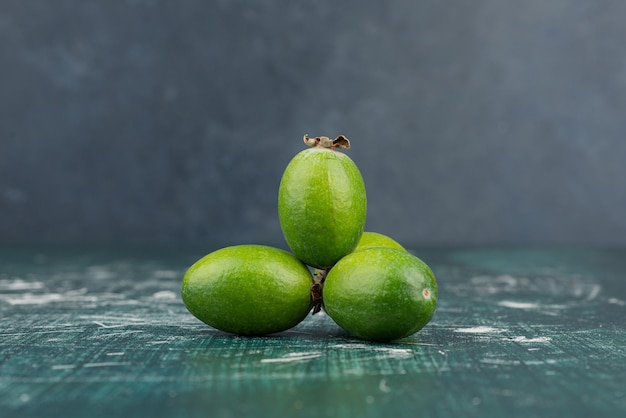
x=366, y=282
x=321, y=203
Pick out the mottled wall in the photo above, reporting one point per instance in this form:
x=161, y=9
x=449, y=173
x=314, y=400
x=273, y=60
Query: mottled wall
x=483, y=121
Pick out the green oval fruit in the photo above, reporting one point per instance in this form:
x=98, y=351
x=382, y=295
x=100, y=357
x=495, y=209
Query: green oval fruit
x=322, y=206
x=374, y=240
x=248, y=290
x=380, y=294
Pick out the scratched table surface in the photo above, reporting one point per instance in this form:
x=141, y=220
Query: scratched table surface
x=101, y=332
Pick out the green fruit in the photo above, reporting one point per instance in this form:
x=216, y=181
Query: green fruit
x=374, y=240
x=322, y=205
x=380, y=294
x=248, y=290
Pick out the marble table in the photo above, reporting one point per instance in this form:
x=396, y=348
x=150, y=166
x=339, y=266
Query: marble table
x=100, y=331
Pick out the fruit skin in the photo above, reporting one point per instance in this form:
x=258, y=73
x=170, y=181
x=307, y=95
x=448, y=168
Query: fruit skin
x=322, y=206
x=380, y=294
x=375, y=239
x=248, y=290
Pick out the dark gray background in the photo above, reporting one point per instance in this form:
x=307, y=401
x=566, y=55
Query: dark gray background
x=473, y=122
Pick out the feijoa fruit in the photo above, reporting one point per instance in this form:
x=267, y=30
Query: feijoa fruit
x=380, y=294
x=375, y=239
x=322, y=203
x=248, y=290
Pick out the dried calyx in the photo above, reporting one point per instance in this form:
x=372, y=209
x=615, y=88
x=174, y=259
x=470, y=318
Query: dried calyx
x=317, y=289
x=325, y=142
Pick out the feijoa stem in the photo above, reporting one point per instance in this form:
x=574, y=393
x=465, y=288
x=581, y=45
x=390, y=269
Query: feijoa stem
x=317, y=288
x=325, y=142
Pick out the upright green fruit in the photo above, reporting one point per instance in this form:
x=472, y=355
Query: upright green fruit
x=248, y=290
x=321, y=203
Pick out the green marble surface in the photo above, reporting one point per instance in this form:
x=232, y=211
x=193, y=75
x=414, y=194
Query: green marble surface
x=100, y=332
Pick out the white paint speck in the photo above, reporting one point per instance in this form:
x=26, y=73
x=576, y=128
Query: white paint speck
x=423, y=344
x=63, y=366
x=518, y=305
x=504, y=279
x=165, y=294
x=479, y=330
x=539, y=362
x=19, y=284
x=528, y=305
x=615, y=301
x=126, y=319
x=595, y=290
x=106, y=364
x=292, y=357
x=396, y=353
x=501, y=362
x=78, y=295
x=159, y=342
x=383, y=386
x=24, y=397
x=111, y=334
x=105, y=325
x=522, y=339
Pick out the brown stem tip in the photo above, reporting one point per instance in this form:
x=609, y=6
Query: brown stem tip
x=325, y=142
x=317, y=289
